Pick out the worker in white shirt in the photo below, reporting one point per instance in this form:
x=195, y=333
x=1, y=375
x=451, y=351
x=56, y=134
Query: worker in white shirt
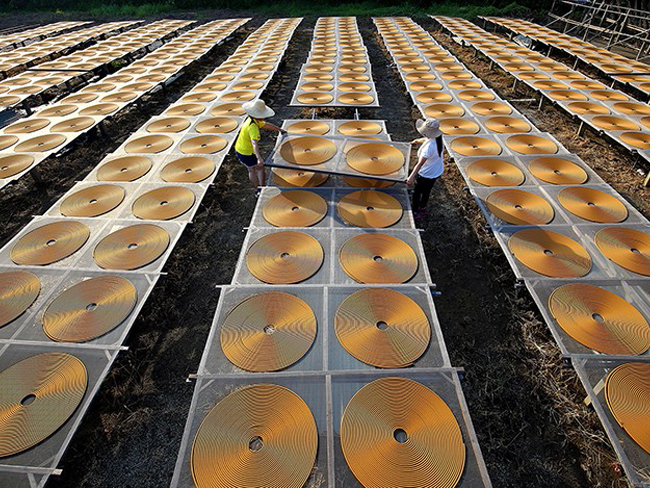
x=429, y=167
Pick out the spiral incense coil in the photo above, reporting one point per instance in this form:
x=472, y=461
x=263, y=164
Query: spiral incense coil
x=587, y=85
x=475, y=146
x=369, y=208
x=169, y=124
x=535, y=75
x=475, y=95
x=14, y=164
x=127, y=168
x=81, y=98
x=149, y=145
x=586, y=108
x=259, y=435
x=188, y=170
x=599, y=319
x=296, y=178
x=209, y=144
x=40, y=144
x=507, y=125
x=456, y=75
x=93, y=201
x=628, y=248
x=165, y=203
x=319, y=77
x=297, y=208
x=186, y=110
x=121, y=97
x=529, y=144
x=314, y=98
x=50, y=243
x=442, y=110
x=382, y=328
x=458, y=126
x=426, y=85
x=550, y=253
x=593, y=205
x=614, y=123
x=354, y=87
x=397, y=432
x=58, y=110
x=359, y=127
x=417, y=76
x=356, y=99
x=37, y=396
x=18, y=291
x=558, y=171
x=627, y=393
x=100, y=109
x=608, y=95
x=375, y=159
x=268, y=332
x=550, y=85
x=635, y=139
x=463, y=84
x=495, y=172
x=76, y=124
x=308, y=150
x=26, y=126
x=131, y=247
x=433, y=97
x=309, y=127
x=632, y=108
x=490, y=108
x=89, y=309
x=519, y=207
x=284, y=257
x=378, y=258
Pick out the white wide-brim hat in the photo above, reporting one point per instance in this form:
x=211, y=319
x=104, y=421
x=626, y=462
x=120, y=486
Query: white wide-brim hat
x=428, y=128
x=258, y=109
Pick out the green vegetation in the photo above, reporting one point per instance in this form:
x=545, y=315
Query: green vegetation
x=294, y=8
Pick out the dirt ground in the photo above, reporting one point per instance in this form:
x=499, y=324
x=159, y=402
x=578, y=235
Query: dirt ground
x=526, y=407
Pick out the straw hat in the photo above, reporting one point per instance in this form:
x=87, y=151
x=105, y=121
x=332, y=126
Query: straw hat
x=258, y=109
x=428, y=128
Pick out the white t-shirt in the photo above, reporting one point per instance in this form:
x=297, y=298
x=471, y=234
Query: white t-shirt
x=433, y=167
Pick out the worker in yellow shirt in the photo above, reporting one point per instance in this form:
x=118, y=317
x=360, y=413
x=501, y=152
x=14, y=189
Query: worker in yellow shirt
x=247, y=145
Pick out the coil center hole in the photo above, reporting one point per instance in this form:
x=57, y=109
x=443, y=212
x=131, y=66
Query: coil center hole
x=591, y=204
x=548, y=252
x=598, y=318
x=557, y=171
x=494, y=173
x=269, y=329
x=163, y=203
x=377, y=259
x=28, y=400
x=635, y=251
x=188, y=170
x=518, y=207
x=132, y=246
x=256, y=444
x=295, y=209
x=91, y=306
x=381, y=325
x=123, y=170
x=284, y=255
x=5, y=168
x=400, y=435
x=51, y=242
x=93, y=201
x=370, y=209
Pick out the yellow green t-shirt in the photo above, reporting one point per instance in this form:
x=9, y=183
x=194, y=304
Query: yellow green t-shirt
x=249, y=132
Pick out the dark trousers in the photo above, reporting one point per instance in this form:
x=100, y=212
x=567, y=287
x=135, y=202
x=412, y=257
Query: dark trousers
x=421, y=192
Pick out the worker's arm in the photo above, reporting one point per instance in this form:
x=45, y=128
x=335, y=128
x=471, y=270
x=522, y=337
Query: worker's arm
x=411, y=179
x=256, y=151
x=269, y=125
x=421, y=140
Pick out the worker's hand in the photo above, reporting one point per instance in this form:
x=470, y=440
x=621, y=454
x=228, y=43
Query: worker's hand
x=410, y=180
x=260, y=162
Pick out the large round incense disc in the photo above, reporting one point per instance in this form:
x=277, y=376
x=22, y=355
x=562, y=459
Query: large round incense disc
x=167, y=202
x=169, y=124
x=308, y=150
x=309, y=127
x=41, y=143
x=295, y=208
x=359, y=127
x=18, y=290
x=262, y=435
x=495, y=172
x=529, y=144
x=131, y=247
x=89, y=309
x=26, y=126
x=627, y=392
x=550, y=253
x=149, y=144
x=76, y=124
x=297, y=178
x=382, y=328
x=37, y=396
x=507, y=125
x=314, y=98
x=216, y=125
x=188, y=170
x=599, y=319
x=593, y=205
x=13, y=164
x=558, y=171
x=629, y=248
x=358, y=182
x=458, y=126
x=268, y=332
x=203, y=145
x=356, y=99
x=520, y=207
x=127, y=168
x=50, y=243
x=475, y=146
x=93, y=201
x=639, y=140
x=378, y=258
x=284, y=257
x=491, y=108
x=375, y=158
x=369, y=208
x=397, y=432
x=614, y=123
